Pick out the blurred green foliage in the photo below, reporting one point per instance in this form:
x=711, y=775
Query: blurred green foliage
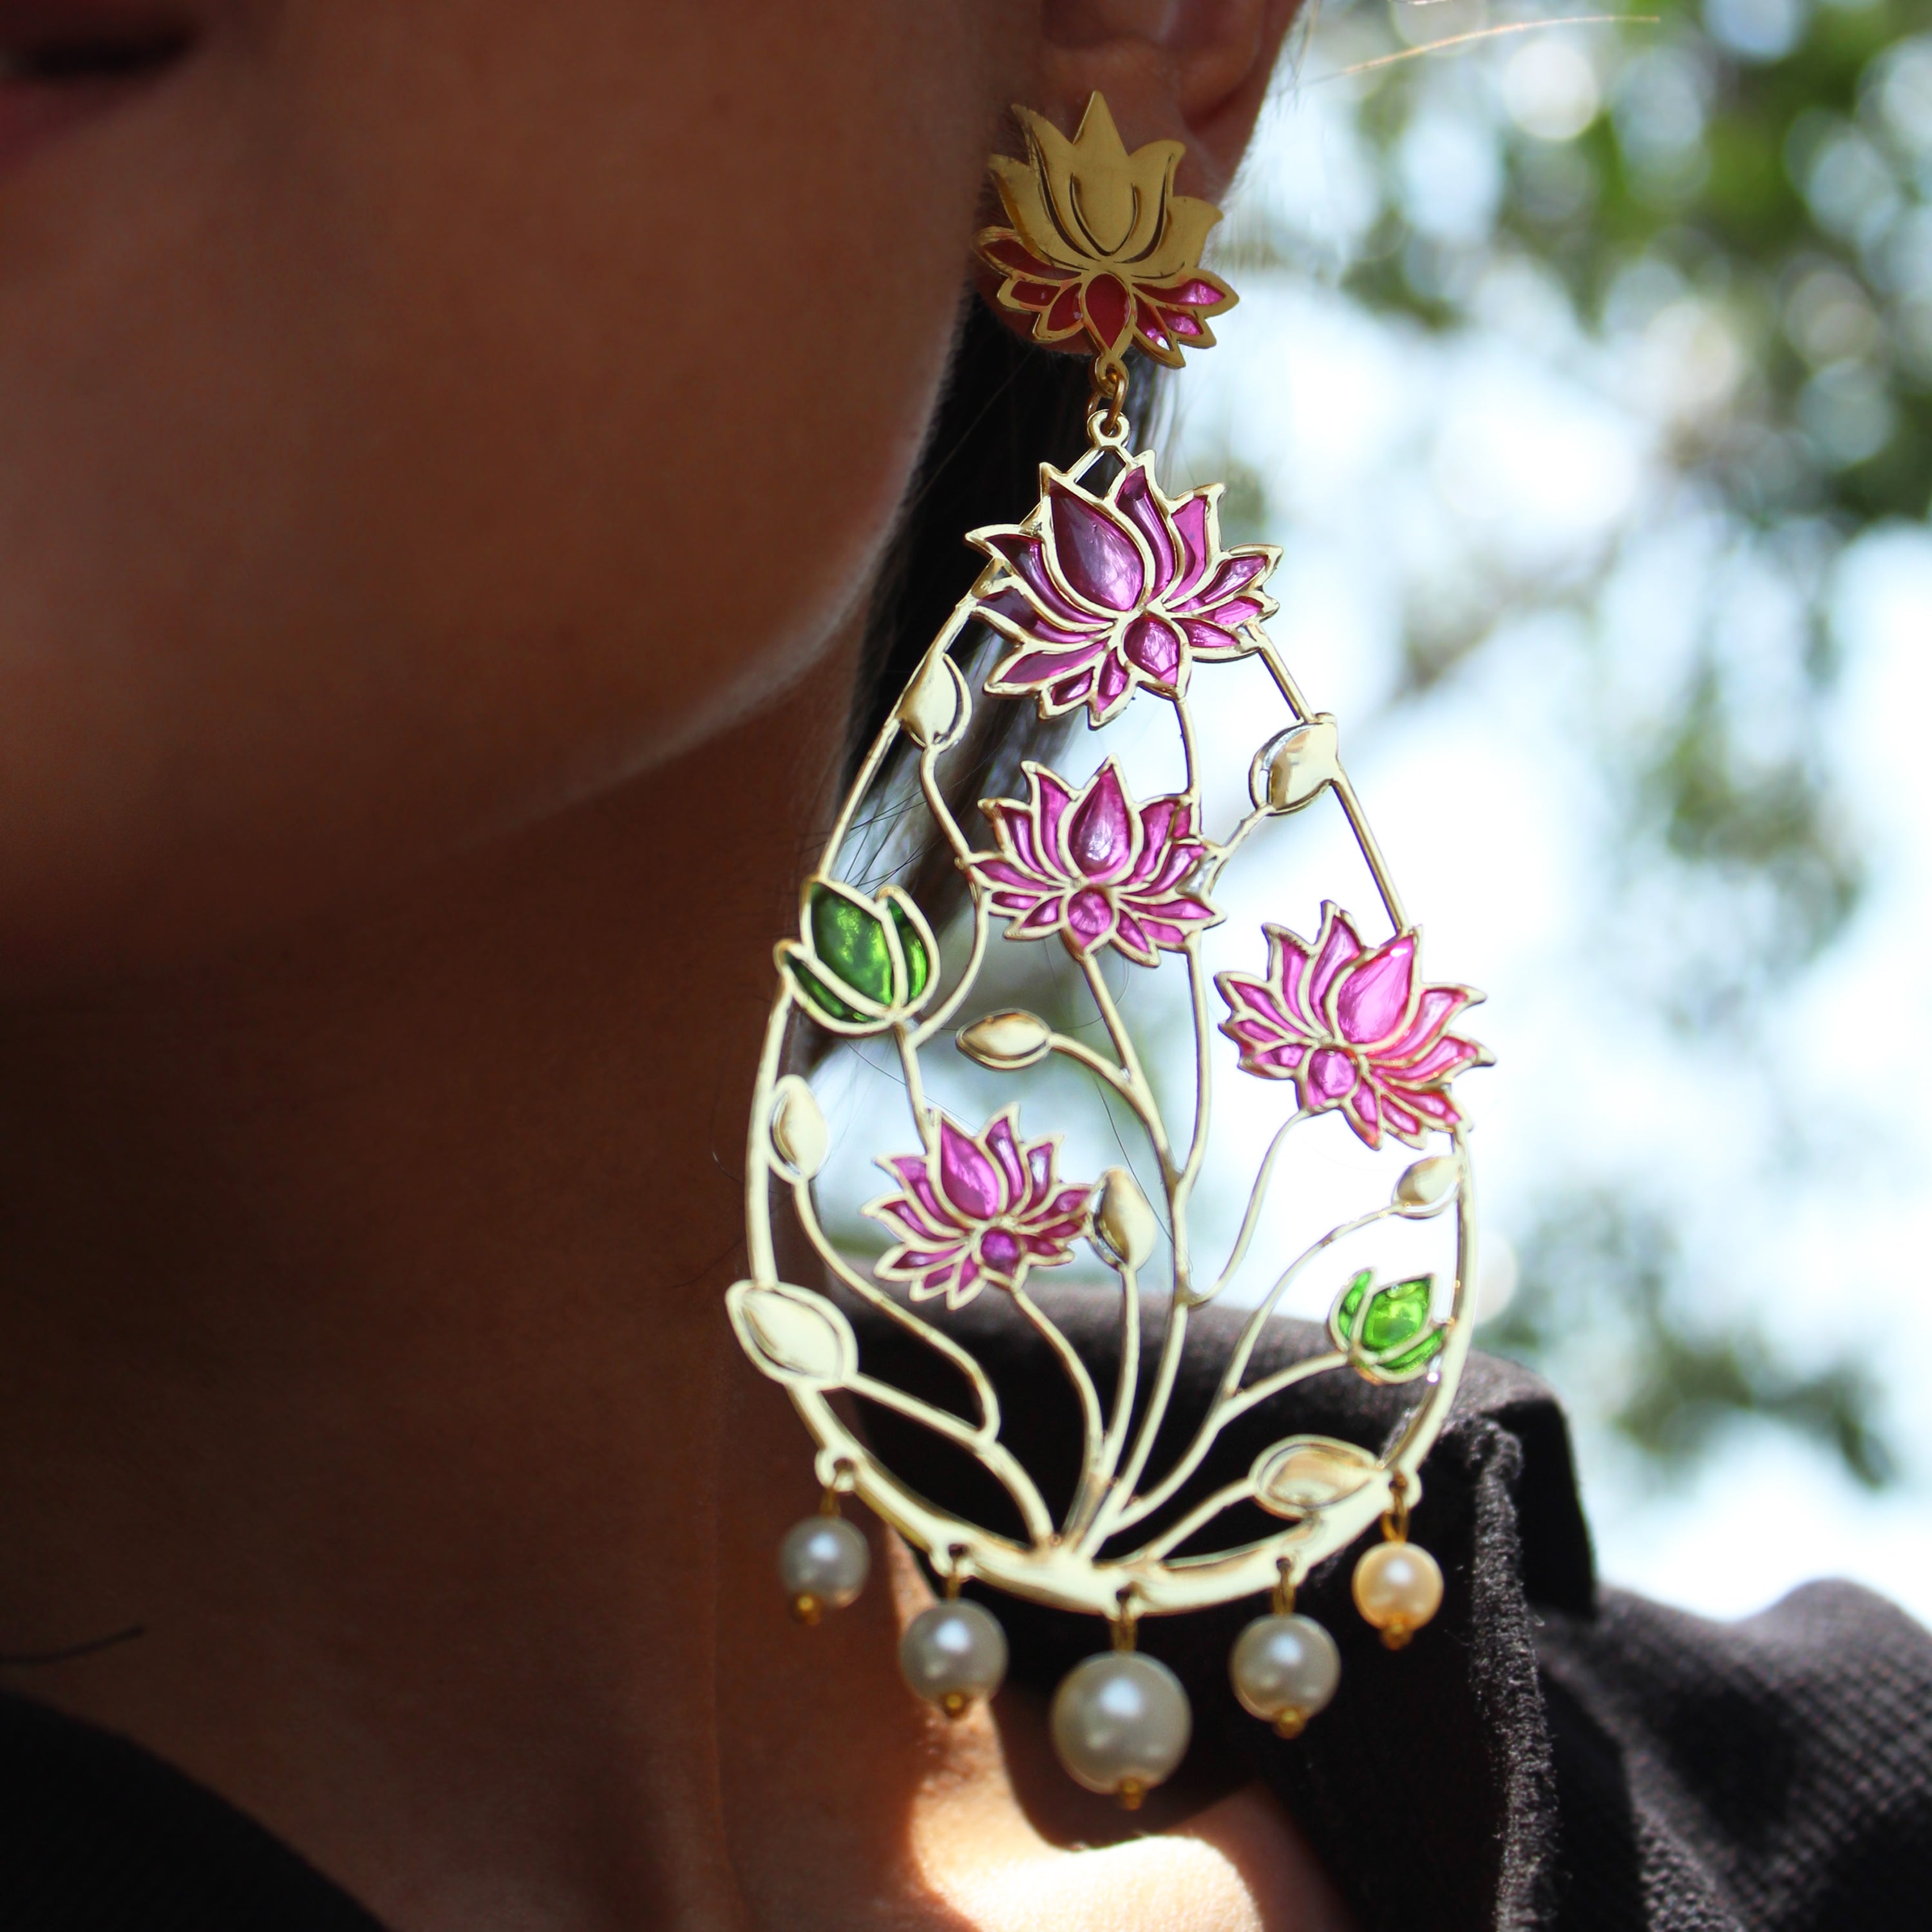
x=1715, y=811
x=1601, y=1280
x=1791, y=190
x=1735, y=203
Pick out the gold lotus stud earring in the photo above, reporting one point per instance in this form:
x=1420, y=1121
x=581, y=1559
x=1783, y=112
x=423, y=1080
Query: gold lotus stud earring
x=1113, y=592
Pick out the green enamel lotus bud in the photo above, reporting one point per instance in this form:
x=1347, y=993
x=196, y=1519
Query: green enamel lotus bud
x=1387, y=1332
x=861, y=962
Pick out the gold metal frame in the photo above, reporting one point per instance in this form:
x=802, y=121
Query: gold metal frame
x=1325, y=1493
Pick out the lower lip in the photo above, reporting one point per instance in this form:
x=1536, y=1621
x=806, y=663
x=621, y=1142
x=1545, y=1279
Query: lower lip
x=35, y=112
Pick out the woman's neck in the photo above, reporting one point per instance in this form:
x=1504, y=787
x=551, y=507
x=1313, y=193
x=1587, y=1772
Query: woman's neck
x=361, y=1341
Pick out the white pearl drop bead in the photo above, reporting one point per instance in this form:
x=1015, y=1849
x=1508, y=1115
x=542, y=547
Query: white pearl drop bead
x=823, y=1563
x=1398, y=1588
x=953, y=1653
x=1121, y=1722
x=1285, y=1668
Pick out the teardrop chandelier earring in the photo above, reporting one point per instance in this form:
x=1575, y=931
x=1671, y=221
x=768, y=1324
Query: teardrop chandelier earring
x=1111, y=594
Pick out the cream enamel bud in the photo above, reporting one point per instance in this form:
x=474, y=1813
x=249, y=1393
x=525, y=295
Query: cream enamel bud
x=798, y=1128
x=934, y=710
x=1309, y=1472
x=794, y=1334
x=1123, y=1219
x=1291, y=770
x=1428, y=1182
x=1006, y=1041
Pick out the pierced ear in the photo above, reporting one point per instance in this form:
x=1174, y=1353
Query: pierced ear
x=1192, y=70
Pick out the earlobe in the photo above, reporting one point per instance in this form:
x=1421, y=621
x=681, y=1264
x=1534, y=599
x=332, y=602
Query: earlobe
x=1196, y=71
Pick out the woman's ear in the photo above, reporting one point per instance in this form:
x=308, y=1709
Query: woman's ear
x=1192, y=70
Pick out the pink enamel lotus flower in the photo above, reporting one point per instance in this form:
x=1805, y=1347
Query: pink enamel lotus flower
x=978, y=1211
x=1094, y=867
x=1354, y=1028
x=1100, y=594
x=1115, y=313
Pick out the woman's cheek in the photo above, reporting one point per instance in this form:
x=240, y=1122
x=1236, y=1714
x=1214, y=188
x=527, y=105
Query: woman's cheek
x=437, y=413
x=657, y=384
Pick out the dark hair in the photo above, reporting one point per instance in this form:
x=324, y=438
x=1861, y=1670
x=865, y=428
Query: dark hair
x=1007, y=407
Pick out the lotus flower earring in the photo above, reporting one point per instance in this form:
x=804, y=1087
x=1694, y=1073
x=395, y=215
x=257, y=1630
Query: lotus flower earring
x=1107, y=598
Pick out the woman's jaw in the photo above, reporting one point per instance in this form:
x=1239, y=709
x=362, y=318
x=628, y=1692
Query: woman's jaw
x=414, y=420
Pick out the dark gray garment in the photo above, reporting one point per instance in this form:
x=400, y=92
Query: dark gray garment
x=1544, y=1755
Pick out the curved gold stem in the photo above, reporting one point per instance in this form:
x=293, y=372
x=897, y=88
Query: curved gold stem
x=1192, y=790
x=1075, y=1370
x=1257, y=1194
x=1116, y=1077
x=1136, y=1088
x=1225, y=1409
x=915, y=1084
x=1204, y=1089
x=1218, y=855
x=1344, y=793
x=995, y=1457
x=868, y=1292
x=1258, y=1317
x=1115, y=1509
x=1172, y=1538
x=1220, y=1412
x=935, y=801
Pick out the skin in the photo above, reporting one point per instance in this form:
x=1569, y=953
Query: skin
x=445, y=451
